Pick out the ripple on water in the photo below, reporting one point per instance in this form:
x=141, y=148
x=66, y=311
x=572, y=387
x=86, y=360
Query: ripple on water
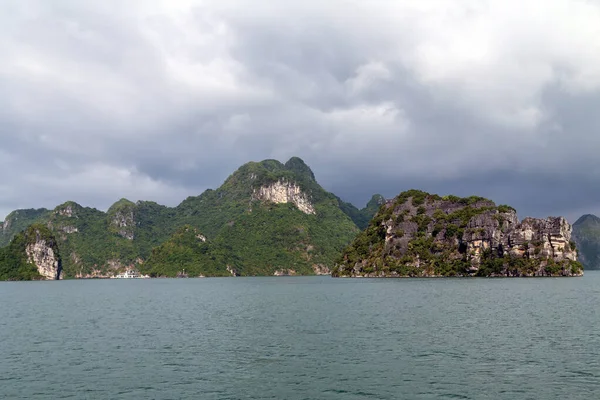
x=301, y=338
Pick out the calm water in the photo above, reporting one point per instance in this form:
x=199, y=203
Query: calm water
x=301, y=338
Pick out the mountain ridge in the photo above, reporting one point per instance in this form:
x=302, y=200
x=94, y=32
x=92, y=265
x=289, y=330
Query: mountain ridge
x=100, y=243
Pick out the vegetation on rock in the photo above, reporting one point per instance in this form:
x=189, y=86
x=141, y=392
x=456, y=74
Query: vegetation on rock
x=14, y=261
x=188, y=253
x=422, y=234
x=255, y=235
x=361, y=217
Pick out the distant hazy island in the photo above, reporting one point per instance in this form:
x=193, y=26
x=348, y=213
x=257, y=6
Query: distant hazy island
x=586, y=233
x=423, y=235
x=270, y=218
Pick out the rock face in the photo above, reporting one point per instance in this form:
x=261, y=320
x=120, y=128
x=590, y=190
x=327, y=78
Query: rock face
x=66, y=211
x=122, y=218
x=418, y=234
x=42, y=251
x=284, y=272
x=285, y=192
x=123, y=221
x=320, y=269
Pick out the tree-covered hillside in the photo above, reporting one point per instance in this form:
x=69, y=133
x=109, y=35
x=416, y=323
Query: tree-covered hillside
x=266, y=236
x=266, y=216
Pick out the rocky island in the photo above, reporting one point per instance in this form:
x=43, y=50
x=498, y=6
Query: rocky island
x=418, y=234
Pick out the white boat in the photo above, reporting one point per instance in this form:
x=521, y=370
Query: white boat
x=129, y=274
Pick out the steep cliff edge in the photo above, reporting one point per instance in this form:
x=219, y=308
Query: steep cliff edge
x=282, y=192
x=419, y=234
x=32, y=255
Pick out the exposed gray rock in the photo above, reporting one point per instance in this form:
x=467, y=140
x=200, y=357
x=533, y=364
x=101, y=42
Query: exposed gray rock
x=458, y=237
x=285, y=192
x=321, y=269
x=284, y=272
x=43, y=253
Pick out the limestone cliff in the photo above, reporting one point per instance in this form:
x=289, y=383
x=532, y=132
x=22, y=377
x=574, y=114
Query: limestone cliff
x=121, y=217
x=285, y=192
x=32, y=254
x=321, y=269
x=42, y=251
x=418, y=234
x=284, y=272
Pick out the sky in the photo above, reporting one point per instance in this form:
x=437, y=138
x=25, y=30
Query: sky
x=163, y=99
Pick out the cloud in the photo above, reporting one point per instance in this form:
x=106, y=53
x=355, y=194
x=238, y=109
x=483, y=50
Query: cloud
x=161, y=99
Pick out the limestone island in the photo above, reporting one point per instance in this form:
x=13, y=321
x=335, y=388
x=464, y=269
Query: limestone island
x=418, y=234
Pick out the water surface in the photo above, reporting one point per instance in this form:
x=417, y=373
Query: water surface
x=301, y=338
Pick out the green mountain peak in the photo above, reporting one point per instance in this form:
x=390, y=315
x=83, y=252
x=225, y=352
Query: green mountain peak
x=587, y=219
x=299, y=167
x=122, y=203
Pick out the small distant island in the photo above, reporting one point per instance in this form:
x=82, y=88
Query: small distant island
x=418, y=234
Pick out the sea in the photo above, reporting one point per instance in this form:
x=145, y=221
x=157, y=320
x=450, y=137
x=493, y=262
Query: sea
x=301, y=338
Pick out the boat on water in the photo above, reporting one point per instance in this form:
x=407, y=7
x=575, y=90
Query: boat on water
x=129, y=274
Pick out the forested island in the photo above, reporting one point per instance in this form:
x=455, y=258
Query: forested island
x=270, y=218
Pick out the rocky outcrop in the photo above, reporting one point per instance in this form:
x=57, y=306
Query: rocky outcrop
x=284, y=272
x=42, y=251
x=122, y=219
x=68, y=229
x=123, y=222
x=66, y=211
x=418, y=234
x=285, y=192
x=320, y=269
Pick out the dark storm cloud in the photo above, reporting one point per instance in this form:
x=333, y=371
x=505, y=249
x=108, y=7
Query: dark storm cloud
x=161, y=99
